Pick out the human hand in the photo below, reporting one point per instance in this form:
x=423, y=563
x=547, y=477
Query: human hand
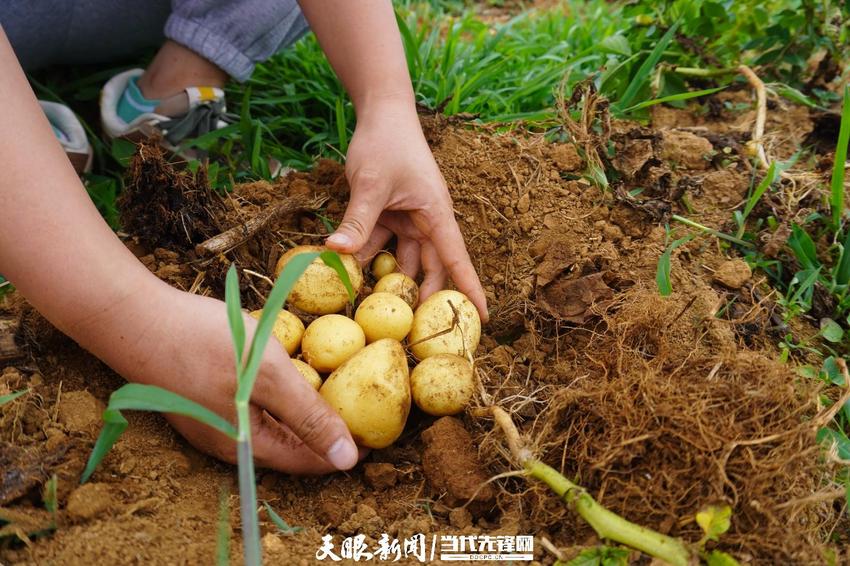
x=185, y=346
x=397, y=188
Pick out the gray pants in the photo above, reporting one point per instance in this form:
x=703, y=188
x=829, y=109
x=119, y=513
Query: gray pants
x=233, y=34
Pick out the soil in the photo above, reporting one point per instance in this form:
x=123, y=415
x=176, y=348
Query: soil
x=658, y=406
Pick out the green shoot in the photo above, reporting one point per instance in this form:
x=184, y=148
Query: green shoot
x=282, y=526
x=672, y=98
x=12, y=396
x=139, y=397
x=662, y=272
x=149, y=398
x=836, y=198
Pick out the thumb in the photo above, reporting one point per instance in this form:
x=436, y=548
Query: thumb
x=368, y=198
x=289, y=398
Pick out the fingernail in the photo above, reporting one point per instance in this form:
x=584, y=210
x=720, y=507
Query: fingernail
x=342, y=454
x=339, y=239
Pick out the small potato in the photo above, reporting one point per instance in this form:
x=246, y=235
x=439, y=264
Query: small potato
x=442, y=384
x=384, y=315
x=311, y=375
x=435, y=315
x=319, y=290
x=288, y=329
x=330, y=340
x=400, y=285
x=383, y=264
x=371, y=392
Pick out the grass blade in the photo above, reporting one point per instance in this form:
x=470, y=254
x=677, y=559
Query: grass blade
x=278, y=521
x=803, y=247
x=673, y=98
x=341, y=128
x=662, y=271
x=836, y=198
x=769, y=178
x=333, y=260
x=842, y=272
x=642, y=76
x=114, y=425
x=139, y=397
x=234, y=314
x=12, y=396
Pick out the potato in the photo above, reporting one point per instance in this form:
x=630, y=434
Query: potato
x=311, y=375
x=371, y=392
x=330, y=340
x=442, y=384
x=435, y=315
x=288, y=329
x=400, y=285
x=384, y=315
x=319, y=290
x=383, y=264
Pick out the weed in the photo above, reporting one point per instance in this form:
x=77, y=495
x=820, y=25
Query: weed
x=134, y=396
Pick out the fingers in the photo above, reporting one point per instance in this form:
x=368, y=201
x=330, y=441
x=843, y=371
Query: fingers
x=435, y=272
x=283, y=392
x=442, y=229
x=368, y=198
x=376, y=242
x=407, y=256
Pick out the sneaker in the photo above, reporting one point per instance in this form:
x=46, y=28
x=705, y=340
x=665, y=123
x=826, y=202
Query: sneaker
x=192, y=113
x=70, y=133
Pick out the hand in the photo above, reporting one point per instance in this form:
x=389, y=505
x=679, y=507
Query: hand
x=397, y=188
x=181, y=342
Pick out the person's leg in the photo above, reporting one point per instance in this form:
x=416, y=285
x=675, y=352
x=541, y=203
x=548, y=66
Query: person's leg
x=176, y=67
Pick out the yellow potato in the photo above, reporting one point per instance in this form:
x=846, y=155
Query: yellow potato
x=319, y=290
x=442, y=384
x=311, y=375
x=288, y=329
x=435, y=315
x=383, y=264
x=384, y=315
x=330, y=340
x=400, y=285
x=371, y=392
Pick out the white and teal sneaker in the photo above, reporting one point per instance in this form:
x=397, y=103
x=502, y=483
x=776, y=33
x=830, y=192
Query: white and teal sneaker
x=126, y=113
x=70, y=133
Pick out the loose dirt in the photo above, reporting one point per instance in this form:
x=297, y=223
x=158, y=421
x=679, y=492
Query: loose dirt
x=657, y=405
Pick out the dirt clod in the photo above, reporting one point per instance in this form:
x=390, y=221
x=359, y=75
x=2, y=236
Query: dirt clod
x=733, y=273
x=90, y=500
x=453, y=469
x=80, y=411
x=380, y=475
x=685, y=150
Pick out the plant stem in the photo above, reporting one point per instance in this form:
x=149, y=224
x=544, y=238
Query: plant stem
x=698, y=72
x=609, y=525
x=711, y=231
x=247, y=488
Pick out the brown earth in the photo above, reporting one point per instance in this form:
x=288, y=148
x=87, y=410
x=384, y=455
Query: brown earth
x=657, y=405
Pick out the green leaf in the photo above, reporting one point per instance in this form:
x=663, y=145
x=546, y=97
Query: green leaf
x=714, y=520
x=842, y=271
x=835, y=437
x=140, y=397
x=278, y=521
x=616, y=44
x=642, y=76
x=769, y=178
x=718, y=558
x=831, y=330
x=831, y=371
x=122, y=150
x=12, y=396
x=662, y=271
x=673, y=98
x=836, y=198
x=599, y=556
x=803, y=247
x=333, y=260
x=341, y=128
x=234, y=314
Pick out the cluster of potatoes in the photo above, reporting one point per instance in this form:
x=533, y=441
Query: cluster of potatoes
x=369, y=383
